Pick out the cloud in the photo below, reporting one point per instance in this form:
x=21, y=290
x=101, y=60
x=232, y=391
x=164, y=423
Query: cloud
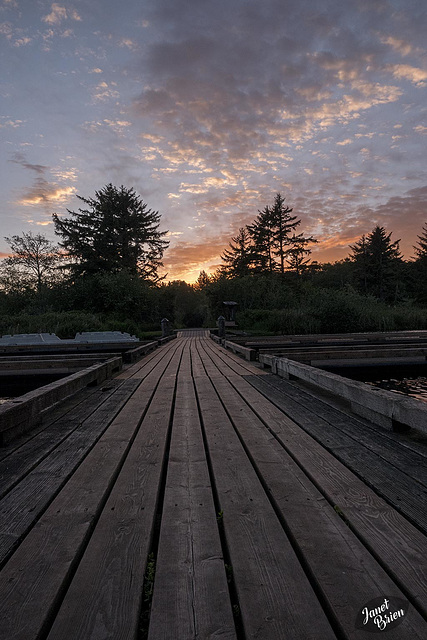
x=402, y=47
x=16, y=37
x=19, y=158
x=211, y=108
x=413, y=74
x=129, y=44
x=44, y=192
x=218, y=103
x=58, y=14
x=14, y=124
x=104, y=91
x=403, y=215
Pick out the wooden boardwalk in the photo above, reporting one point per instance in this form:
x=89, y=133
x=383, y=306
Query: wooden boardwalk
x=193, y=496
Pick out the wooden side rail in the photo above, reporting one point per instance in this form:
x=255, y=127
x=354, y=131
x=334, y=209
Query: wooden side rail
x=388, y=409
x=246, y=352
x=21, y=414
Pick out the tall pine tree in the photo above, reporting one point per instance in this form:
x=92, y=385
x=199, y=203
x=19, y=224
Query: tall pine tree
x=261, y=233
x=274, y=240
x=116, y=232
x=377, y=260
x=238, y=257
x=418, y=268
x=421, y=246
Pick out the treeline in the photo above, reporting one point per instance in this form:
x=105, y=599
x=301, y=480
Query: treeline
x=104, y=275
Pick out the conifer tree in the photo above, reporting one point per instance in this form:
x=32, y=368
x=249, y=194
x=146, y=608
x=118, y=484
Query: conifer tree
x=297, y=256
x=418, y=268
x=274, y=239
x=116, y=232
x=261, y=234
x=421, y=249
x=377, y=259
x=238, y=257
x=283, y=224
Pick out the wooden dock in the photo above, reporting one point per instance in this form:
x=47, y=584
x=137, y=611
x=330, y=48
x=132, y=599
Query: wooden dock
x=196, y=496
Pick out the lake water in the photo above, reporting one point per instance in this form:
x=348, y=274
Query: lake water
x=409, y=379
x=414, y=387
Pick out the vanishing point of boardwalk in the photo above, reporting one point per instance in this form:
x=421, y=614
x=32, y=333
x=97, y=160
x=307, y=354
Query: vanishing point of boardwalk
x=195, y=495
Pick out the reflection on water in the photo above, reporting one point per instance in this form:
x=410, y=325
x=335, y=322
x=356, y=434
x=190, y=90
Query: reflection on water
x=414, y=387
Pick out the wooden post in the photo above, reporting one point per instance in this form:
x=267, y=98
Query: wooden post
x=221, y=326
x=165, y=327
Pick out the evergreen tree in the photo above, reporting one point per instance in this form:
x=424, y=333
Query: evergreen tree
x=272, y=241
x=421, y=249
x=361, y=262
x=377, y=259
x=117, y=232
x=283, y=224
x=202, y=281
x=418, y=269
x=238, y=257
x=261, y=234
x=297, y=255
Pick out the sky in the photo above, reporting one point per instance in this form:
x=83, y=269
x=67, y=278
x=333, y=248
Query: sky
x=209, y=108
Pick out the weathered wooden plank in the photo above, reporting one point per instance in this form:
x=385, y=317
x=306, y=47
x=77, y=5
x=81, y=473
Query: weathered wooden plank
x=28, y=499
x=24, y=503
x=322, y=421
x=405, y=494
x=50, y=552
x=110, y=575
x=412, y=442
x=22, y=414
x=143, y=366
x=191, y=597
x=236, y=363
x=72, y=403
x=49, y=418
x=275, y=596
x=345, y=572
x=35, y=450
x=397, y=544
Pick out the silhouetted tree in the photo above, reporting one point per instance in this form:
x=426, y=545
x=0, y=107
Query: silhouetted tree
x=377, y=259
x=421, y=246
x=238, y=257
x=202, y=281
x=418, y=268
x=272, y=241
x=117, y=232
x=297, y=255
x=261, y=238
x=33, y=264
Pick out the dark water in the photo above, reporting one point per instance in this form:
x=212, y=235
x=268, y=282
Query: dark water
x=414, y=387
x=15, y=386
x=409, y=380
